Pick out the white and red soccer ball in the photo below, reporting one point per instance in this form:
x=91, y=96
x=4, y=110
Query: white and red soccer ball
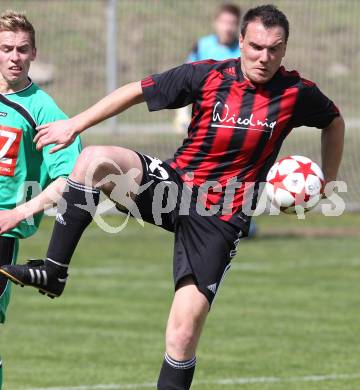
x=295, y=183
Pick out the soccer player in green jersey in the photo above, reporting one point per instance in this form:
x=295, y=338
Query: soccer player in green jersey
x=23, y=106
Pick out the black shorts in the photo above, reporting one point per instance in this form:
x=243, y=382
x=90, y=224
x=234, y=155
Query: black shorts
x=204, y=245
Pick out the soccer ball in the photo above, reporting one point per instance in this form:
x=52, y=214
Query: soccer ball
x=295, y=183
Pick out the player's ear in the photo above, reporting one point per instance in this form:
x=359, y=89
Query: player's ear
x=33, y=54
x=241, y=41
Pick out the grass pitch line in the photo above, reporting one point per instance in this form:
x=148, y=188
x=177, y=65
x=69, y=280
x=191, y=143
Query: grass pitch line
x=223, y=382
x=235, y=266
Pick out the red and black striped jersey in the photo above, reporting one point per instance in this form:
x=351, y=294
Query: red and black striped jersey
x=237, y=128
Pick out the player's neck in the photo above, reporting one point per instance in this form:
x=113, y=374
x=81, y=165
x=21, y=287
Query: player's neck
x=243, y=71
x=6, y=87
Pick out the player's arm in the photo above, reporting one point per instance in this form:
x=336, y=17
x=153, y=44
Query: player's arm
x=46, y=199
x=332, y=144
x=314, y=109
x=64, y=132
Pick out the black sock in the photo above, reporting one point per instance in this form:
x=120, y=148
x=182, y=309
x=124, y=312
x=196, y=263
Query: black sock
x=175, y=375
x=74, y=213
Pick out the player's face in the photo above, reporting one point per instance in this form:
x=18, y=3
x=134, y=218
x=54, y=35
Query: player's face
x=16, y=54
x=226, y=28
x=262, y=50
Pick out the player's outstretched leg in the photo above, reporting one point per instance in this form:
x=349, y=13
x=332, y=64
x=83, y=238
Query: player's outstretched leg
x=74, y=213
x=186, y=320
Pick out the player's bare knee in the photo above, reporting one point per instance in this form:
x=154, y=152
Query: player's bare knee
x=83, y=162
x=181, y=340
x=181, y=345
x=93, y=164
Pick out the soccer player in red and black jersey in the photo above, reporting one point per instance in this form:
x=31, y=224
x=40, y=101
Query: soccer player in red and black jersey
x=242, y=111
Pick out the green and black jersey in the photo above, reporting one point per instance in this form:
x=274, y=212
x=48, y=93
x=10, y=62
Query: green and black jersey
x=24, y=171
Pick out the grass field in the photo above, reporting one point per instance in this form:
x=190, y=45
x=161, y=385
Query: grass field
x=287, y=316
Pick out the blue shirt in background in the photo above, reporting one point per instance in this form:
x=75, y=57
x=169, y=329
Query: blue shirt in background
x=210, y=47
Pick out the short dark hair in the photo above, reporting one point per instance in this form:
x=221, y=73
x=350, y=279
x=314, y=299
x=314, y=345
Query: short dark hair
x=230, y=9
x=269, y=15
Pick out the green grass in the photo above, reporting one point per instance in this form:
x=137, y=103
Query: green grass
x=288, y=308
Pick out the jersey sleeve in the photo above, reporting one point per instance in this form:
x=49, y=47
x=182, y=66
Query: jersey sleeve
x=174, y=88
x=314, y=109
x=61, y=163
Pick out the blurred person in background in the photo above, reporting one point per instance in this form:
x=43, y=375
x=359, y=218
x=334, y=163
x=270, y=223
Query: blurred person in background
x=221, y=45
x=224, y=43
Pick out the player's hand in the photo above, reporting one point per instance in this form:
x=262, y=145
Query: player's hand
x=62, y=133
x=9, y=219
x=182, y=120
x=322, y=192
